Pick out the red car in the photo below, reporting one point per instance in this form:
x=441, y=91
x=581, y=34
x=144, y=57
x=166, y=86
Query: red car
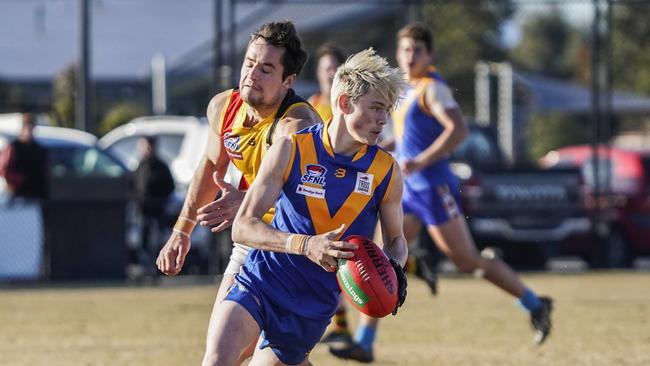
x=624, y=177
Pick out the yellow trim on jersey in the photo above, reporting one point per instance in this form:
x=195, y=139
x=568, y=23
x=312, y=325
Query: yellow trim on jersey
x=422, y=90
x=354, y=204
x=390, y=182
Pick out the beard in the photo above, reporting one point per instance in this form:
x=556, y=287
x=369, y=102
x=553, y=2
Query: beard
x=256, y=99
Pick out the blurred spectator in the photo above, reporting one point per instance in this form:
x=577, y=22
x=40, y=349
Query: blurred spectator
x=23, y=164
x=153, y=188
x=330, y=57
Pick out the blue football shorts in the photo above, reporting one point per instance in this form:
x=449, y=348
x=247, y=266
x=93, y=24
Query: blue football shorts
x=290, y=337
x=435, y=205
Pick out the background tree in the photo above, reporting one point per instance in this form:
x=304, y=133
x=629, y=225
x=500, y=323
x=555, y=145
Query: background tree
x=464, y=32
x=63, y=94
x=631, y=47
x=550, y=45
x=548, y=131
x=119, y=115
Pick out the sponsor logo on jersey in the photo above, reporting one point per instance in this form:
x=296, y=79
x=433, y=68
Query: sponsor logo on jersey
x=231, y=143
x=315, y=174
x=310, y=191
x=364, y=183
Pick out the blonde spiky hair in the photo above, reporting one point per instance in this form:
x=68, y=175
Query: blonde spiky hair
x=364, y=72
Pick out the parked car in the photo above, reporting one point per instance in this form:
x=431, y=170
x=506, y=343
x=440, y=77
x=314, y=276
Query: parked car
x=624, y=179
x=526, y=211
x=85, y=215
x=181, y=141
x=71, y=152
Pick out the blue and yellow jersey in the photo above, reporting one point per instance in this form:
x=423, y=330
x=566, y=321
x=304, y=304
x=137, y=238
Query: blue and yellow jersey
x=246, y=146
x=322, y=190
x=416, y=128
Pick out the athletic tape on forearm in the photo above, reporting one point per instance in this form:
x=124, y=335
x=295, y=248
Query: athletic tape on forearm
x=184, y=225
x=297, y=243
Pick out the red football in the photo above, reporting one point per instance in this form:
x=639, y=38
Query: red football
x=368, y=280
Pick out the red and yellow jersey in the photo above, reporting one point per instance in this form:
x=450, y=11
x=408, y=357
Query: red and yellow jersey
x=322, y=106
x=246, y=146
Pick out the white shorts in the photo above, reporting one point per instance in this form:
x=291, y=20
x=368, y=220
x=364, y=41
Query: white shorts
x=237, y=258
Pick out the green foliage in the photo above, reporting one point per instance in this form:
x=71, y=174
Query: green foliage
x=546, y=132
x=119, y=115
x=549, y=45
x=631, y=47
x=63, y=103
x=465, y=31
x=11, y=98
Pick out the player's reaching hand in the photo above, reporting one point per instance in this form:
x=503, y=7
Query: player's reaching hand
x=324, y=250
x=401, y=284
x=172, y=256
x=219, y=214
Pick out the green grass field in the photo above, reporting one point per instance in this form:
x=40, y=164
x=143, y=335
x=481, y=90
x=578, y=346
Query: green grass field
x=600, y=319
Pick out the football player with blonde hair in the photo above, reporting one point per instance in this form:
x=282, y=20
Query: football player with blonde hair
x=326, y=182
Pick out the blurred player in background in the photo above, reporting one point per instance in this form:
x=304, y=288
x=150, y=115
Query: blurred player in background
x=330, y=57
x=244, y=123
x=428, y=126
x=330, y=181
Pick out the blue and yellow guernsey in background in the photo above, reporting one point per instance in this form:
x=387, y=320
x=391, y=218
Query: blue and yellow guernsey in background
x=416, y=129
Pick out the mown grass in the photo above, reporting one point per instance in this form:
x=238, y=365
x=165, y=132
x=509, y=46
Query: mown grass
x=601, y=318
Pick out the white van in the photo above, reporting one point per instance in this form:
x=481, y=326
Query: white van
x=181, y=141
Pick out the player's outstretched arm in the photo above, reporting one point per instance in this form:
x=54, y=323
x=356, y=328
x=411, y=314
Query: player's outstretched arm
x=391, y=218
x=249, y=229
x=202, y=190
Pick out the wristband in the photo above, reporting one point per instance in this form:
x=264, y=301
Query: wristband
x=297, y=243
x=182, y=233
x=184, y=225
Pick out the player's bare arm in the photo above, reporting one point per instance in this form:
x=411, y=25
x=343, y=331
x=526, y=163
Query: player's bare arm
x=202, y=190
x=249, y=229
x=295, y=120
x=391, y=219
x=218, y=214
x=454, y=133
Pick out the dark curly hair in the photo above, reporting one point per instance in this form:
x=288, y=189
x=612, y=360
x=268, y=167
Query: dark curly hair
x=283, y=34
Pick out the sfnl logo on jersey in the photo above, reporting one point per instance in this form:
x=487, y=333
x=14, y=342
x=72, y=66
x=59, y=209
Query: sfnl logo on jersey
x=315, y=174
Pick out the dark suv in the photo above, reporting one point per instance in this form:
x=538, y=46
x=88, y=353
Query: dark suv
x=523, y=210
x=624, y=177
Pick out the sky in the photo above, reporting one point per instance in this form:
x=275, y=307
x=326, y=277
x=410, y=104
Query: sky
x=39, y=37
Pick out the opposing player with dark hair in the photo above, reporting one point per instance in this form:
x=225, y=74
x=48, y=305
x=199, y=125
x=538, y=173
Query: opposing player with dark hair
x=330, y=181
x=244, y=123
